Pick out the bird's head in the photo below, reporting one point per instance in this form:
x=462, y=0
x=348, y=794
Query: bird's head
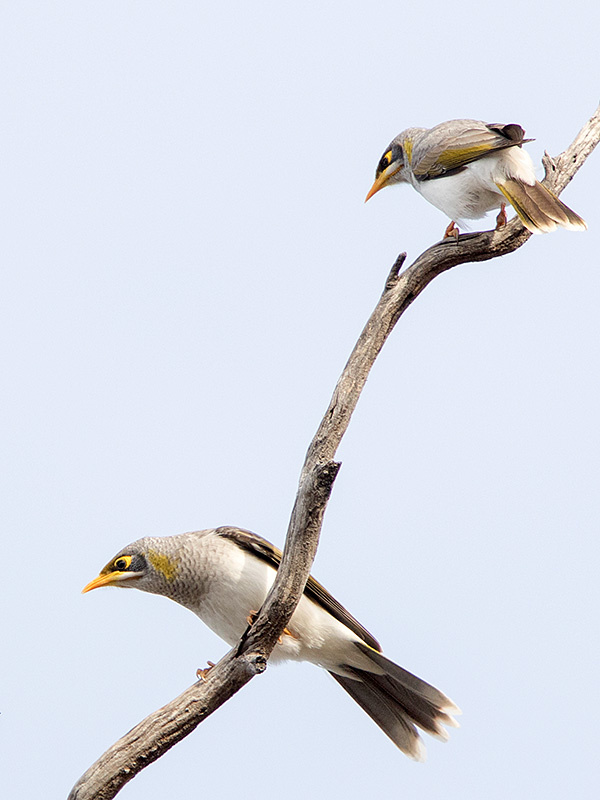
x=148, y=564
x=391, y=167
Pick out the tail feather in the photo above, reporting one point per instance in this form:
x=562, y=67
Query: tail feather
x=392, y=720
x=398, y=702
x=538, y=208
x=426, y=715
x=420, y=711
x=410, y=681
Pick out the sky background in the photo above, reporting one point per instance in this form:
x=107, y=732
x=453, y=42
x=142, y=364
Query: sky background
x=187, y=263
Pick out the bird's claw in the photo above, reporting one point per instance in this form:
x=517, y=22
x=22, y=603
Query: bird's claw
x=501, y=219
x=251, y=619
x=451, y=232
x=201, y=674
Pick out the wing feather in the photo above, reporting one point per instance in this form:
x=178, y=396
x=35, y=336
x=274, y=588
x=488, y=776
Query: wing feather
x=447, y=148
x=272, y=555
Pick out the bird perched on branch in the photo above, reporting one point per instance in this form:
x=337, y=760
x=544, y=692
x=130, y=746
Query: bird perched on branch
x=466, y=167
x=223, y=575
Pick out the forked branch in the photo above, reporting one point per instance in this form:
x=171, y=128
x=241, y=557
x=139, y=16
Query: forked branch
x=167, y=726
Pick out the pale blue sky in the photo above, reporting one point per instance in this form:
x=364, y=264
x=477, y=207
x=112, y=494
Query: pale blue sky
x=187, y=264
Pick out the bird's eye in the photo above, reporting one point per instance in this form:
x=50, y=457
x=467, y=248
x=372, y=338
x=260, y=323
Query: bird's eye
x=122, y=563
x=386, y=160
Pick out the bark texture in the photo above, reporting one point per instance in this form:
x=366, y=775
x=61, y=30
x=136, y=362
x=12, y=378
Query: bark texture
x=152, y=737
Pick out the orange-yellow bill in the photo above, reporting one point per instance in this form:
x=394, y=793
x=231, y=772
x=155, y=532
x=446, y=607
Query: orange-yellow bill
x=105, y=579
x=378, y=184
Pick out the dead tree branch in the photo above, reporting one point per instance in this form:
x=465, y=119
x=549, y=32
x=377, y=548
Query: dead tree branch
x=162, y=729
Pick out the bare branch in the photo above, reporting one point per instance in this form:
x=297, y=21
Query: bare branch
x=165, y=727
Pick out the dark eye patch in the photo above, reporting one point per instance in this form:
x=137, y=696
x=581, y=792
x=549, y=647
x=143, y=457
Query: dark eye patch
x=385, y=161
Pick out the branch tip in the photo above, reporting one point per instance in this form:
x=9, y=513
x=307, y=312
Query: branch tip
x=549, y=163
x=259, y=663
x=394, y=274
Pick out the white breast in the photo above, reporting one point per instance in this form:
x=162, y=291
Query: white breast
x=237, y=584
x=473, y=192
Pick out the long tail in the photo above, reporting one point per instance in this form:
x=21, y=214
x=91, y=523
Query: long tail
x=398, y=701
x=538, y=208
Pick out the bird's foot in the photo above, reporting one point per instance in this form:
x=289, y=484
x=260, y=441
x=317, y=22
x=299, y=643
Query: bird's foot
x=451, y=231
x=501, y=219
x=251, y=619
x=201, y=674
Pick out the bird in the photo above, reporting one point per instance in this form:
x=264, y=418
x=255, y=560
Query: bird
x=466, y=167
x=223, y=575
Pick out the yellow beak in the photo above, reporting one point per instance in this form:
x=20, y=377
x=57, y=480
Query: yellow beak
x=384, y=177
x=378, y=184
x=108, y=579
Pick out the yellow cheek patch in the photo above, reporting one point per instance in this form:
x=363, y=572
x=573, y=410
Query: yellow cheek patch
x=166, y=565
x=408, y=146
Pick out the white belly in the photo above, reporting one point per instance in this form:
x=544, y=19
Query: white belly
x=461, y=196
x=473, y=192
x=237, y=586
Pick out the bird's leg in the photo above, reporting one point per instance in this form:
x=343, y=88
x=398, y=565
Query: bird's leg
x=501, y=219
x=202, y=673
x=451, y=231
x=251, y=619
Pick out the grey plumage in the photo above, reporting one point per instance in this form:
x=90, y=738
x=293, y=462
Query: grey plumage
x=466, y=167
x=223, y=575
